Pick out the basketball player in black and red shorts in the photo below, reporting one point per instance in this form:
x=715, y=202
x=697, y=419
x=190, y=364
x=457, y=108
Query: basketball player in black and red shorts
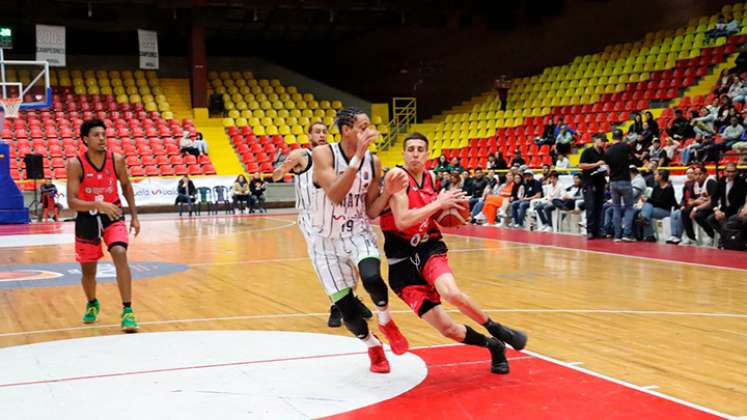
x=92, y=191
x=419, y=269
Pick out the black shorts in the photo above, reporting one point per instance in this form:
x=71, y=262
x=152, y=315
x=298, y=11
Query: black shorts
x=412, y=278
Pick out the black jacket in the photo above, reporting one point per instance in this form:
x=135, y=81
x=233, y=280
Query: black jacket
x=736, y=195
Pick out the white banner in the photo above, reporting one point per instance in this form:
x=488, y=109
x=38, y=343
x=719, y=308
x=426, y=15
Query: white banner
x=148, y=41
x=50, y=45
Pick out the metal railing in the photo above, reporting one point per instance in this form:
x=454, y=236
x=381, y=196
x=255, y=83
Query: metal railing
x=404, y=114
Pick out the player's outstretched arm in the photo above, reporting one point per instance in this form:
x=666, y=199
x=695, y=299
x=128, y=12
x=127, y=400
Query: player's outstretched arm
x=377, y=199
x=74, y=173
x=405, y=217
x=127, y=191
x=336, y=187
x=295, y=161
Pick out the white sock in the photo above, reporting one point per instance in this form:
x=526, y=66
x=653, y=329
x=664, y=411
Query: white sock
x=371, y=341
x=382, y=313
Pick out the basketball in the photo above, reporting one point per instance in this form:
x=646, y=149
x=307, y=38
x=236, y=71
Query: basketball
x=453, y=216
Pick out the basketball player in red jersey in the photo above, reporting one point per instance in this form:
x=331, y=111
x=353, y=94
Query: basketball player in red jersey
x=419, y=269
x=92, y=191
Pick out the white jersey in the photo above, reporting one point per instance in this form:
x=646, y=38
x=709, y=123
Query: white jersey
x=305, y=189
x=348, y=218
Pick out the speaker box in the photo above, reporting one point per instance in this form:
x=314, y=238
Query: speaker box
x=34, y=166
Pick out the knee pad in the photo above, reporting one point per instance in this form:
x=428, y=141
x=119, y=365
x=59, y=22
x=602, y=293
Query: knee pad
x=370, y=272
x=351, y=315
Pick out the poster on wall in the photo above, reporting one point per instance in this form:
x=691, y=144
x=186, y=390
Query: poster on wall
x=50, y=45
x=148, y=41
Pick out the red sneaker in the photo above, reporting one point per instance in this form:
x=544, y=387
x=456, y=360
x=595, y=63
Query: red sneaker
x=379, y=364
x=397, y=341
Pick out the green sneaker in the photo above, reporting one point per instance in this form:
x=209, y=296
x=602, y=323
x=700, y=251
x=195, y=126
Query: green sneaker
x=92, y=311
x=129, y=323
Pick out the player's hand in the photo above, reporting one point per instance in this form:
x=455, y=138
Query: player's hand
x=693, y=212
x=394, y=182
x=451, y=198
x=365, y=138
x=135, y=225
x=109, y=209
x=720, y=215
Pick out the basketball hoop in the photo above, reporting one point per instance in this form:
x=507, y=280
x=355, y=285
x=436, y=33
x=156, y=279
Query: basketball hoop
x=11, y=106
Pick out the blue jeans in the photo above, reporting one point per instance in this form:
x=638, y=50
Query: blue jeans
x=184, y=199
x=622, y=195
x=649, y=212
x=478, y=208
x=676, y=223
x=518, y=211
x=544, y=212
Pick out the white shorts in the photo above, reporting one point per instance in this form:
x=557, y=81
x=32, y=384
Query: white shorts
x=336, y=260
x=304, y=223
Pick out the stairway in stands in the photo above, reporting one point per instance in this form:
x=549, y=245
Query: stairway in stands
x=177, y=91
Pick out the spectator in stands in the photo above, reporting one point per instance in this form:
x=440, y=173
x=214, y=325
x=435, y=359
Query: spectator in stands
x=732, y=133
x=680, y=127
x=257, y=188
x=677, y=223
x=563, y=141
x=563, y=162
x=546, y=169
x=653, y=126
x=659, y=206
x=545, y=207
x=636, y=128
x=548, y=133
x=532, y=191
x=201, y=144
x=657, y=153
x=48, y=193
x=638, y=183
x=496, y=203
x=702, y=199
x=594, y=182
x=186, y=145
x=724, y=118
x=444, y=180
x=518, y=160
x=723, y=27
x=241, y=194
x=618, y=158
x=703, y=124
x=502, y=86
x=475, y=187
x=456, y=165
x=496, y=161
x=573, y=197
x=443, y=165
x=738, y=90
x=216, y=105
x=732, y=193
x=186, y=193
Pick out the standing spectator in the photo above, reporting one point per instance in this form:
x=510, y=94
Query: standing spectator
x=545, y=207
x=257, y=187
x=703, y=196
x=732, y=192
x=680, y=127
x=618, y=158
x=532, y=191
x=186, y=145
x=48, y=194
x=217, y=105
x=594, y=181
x=443, y=165
x=502, y=86
x=201, y=144
x=659, y=206
x=518, y=160
x=186, y=193
x=732, y=133
x=241, y=194
x=456, y=165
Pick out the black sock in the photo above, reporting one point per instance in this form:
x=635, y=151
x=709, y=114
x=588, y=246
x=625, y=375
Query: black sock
x=474, y=338
x=93, y=302
x=127, y=304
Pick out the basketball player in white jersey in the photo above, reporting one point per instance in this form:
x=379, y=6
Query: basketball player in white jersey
x=299, y=162
x=342, y=239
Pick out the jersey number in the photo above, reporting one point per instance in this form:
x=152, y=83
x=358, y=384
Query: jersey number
x=347, y=226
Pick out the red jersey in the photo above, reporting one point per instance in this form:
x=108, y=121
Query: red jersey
x=403, y=243
x=99, y=184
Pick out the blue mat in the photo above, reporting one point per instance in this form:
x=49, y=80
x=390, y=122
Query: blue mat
x=12, y=210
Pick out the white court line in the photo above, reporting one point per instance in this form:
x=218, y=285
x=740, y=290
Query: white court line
x=397, y=311
x=650, y=387
x=575, y=363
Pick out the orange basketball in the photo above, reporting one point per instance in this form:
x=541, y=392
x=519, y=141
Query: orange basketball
x=454, y=216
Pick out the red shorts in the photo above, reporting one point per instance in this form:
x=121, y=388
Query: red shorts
x=87, y=251
x=420, y=297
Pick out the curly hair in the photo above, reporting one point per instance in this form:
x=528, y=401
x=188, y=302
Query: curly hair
x=346, y=116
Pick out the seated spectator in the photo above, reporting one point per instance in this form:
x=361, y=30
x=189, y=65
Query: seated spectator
x=649, y=172
x=257, y=187
x=496, y=203
x=186, y=193
x=703, y=124
x=456, y=165
x=636, y=128
x=732, y=133
x=573, y=197
x=532, y=191
x=455, y=181
x=563, y=141
x=732, y=193
x=518, y=160
x=475, y=187
x=702, y=198
x=496, y=161
x=563, y=162
x=723, y=27
x=653, y=126
x=186, y=145
x=658, y=153
x=659, y=206
x=201, y=144
x=677, y=224
x=679, y=127
x=738, y=91
x=442, y=165
x=493, y=179
x=48, y=195
x=548, y=133
x=546, y=169
x=545, y=207
x=734, y=231
x=241, y=194
x=724, y=118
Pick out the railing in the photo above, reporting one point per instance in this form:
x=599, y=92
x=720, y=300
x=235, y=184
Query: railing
x=404, y=114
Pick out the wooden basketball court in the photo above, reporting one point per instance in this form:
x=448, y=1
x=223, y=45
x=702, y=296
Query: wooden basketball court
x=677, y=326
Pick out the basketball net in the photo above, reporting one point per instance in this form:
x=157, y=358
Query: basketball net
x=11, y=107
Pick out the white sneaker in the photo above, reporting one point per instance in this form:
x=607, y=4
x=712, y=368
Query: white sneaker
x=673, y=240
x=708, y=242
x=685, y=240
x=548, y=229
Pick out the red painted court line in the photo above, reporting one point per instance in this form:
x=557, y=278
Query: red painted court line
x=535, y=389
x=176, y=369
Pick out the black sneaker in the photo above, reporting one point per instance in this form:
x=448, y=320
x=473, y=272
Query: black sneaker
x=498, y=361
x=335, y=317
x=514, y=338
x=365, y=312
